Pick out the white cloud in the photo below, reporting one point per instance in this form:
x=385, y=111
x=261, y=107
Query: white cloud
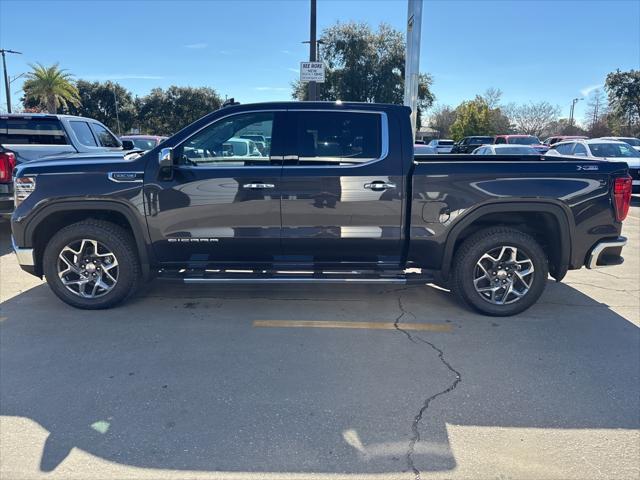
x=587, y=90
x=286, y=52
x=294, y=70
x=272, y=89
x=121, y=76
x=224, y=52
x=196, y=45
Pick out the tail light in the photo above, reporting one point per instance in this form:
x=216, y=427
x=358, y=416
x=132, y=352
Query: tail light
x=622, y=196
x=7, y=162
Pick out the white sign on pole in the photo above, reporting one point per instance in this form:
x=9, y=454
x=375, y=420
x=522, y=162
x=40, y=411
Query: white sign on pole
x=312, y=72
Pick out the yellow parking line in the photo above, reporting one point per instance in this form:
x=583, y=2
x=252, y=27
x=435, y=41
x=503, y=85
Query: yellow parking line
x=431, y=327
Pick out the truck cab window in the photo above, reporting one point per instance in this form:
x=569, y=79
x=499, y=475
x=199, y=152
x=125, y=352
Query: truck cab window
x=83, y=133
x=338, y=137
x=104, y=137
x=230, y=142
x=32, y=131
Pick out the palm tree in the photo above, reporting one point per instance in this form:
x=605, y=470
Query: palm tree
x=51, y=86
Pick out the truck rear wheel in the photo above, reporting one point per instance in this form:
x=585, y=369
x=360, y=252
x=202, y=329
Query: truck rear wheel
x=500, y=271
x=92, y=264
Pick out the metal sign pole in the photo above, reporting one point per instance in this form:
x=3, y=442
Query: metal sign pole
x=412, y=59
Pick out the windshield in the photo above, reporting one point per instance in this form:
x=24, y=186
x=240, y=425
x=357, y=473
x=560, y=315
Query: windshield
x=480, y=140
x=516, y=151
x=445, y=142
x=524, y=140
x=143, y=143
x=616, y=150
x=634, y=142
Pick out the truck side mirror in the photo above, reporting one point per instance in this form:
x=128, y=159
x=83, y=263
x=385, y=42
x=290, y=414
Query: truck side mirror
x=166, y=161
x=128, y=145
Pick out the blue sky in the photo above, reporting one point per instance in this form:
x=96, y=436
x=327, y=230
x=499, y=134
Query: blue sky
x=250, y=50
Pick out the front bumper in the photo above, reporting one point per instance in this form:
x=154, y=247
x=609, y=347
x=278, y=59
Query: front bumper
x=25, y=257
x=606, y=253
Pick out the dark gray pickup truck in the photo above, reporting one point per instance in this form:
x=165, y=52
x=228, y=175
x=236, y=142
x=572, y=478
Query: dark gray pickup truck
x=336, y=196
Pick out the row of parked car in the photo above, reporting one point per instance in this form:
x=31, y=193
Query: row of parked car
x=514, y=145
x=607, y=148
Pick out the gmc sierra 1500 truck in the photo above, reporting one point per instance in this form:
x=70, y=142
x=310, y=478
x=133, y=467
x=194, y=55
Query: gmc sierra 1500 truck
x=336, y=196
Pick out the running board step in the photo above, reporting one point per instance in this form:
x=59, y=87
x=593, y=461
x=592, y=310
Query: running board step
x=289, y=280
x=225, y=277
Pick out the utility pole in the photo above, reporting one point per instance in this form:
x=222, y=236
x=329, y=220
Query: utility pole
x=115, y=100
x=6, y=76
x=412, y=59
x=313, y=92
x=595, y=111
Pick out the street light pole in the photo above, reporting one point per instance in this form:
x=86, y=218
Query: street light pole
x=573, y=106
x=313, y=93
x=6, y=76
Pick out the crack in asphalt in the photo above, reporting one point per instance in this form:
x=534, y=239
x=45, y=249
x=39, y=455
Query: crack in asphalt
x=415, y=426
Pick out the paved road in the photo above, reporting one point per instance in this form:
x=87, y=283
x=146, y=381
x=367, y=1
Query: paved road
x=194, y=382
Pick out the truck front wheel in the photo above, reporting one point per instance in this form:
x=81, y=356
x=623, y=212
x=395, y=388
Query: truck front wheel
x=92, y=264
x=500, y=271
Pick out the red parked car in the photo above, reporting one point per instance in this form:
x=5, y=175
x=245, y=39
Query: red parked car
x=530, y=140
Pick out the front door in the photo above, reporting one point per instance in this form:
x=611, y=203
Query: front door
x=223, y=204
x=342, y=198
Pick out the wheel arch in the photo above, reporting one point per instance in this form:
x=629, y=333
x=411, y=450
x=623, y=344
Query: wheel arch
x=545, y=220
x=52, y=217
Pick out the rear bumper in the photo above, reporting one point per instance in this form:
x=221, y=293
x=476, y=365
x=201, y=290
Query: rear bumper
x=606, y=253
x=6, y=206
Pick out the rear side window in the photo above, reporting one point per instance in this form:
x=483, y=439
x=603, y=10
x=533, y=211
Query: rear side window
x=32, y=131
x=565, y=148
x=500, y=140
x=342, y=138
x=104, y=137
x=83, y=133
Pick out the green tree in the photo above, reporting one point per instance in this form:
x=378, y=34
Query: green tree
x=99, y=102
x=473, y=117
x=498, y=121
x=50, y=87
x=365, y=66
x=164, y=112
x=623, y=89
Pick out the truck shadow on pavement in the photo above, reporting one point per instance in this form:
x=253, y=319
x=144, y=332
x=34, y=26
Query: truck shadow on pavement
x=179, y=378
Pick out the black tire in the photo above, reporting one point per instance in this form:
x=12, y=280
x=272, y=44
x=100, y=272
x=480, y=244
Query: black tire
x=116, y=240
x=465, y=269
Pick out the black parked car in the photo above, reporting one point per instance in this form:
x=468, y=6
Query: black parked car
x=337, y=197
x=469, y=144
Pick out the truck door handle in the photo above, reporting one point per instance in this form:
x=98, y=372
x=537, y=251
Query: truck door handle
x=378, y=185
x=258, y=186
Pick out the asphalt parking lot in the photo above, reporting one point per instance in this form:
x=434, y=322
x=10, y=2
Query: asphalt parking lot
x=198, y=382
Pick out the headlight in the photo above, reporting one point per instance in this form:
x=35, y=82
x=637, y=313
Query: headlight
x=22, y=188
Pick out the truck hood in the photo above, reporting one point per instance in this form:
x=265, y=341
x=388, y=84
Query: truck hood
x=79, y=162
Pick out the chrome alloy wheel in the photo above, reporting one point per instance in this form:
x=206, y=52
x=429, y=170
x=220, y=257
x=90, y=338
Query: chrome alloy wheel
x=503, y=275
x=88, y=268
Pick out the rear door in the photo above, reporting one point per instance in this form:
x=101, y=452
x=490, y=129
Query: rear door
x=342, y=190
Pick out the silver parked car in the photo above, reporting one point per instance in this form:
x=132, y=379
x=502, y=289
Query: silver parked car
x=505, y=149
x=441, y=145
